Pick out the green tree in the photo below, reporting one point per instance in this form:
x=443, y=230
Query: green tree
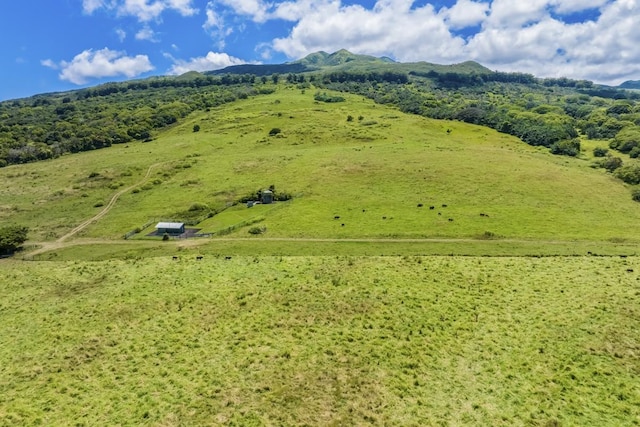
x=11, y=238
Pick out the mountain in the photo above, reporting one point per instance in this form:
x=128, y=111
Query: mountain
x=630, y=84
x=343, y=60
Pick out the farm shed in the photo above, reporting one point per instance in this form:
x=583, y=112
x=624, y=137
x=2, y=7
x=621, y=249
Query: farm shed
x=267, y=197
x=170, y=227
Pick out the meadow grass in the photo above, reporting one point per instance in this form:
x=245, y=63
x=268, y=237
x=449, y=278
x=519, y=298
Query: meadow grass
x=325, y=340
x=379, y=175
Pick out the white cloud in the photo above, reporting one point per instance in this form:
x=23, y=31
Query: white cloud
x=212, y=61
x=122, y=34
x=146, y=33
x=465, y=13
x=49, y=63
x=391, y=28
x=144, y=10
x=102, y=63
x=571, y=6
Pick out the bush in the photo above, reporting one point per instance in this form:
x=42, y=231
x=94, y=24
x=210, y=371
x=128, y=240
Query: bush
x=611, y=163
x=566, y=148
x=11, y=238
x=196, y=128
x=196, y=207
x=629, y=174
x=274, y=131
x=635, y=194
x=600, y=152
x=257, y=230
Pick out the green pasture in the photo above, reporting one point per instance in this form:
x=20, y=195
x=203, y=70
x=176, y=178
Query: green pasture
x=364, y=178
x=325, y=340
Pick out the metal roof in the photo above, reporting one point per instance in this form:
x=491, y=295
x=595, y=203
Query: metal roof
x=170, y=225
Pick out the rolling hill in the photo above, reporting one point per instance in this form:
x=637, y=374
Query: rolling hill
x=448, y=248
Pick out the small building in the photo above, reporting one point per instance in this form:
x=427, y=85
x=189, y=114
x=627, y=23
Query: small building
x=170, y=228
x=266, y=197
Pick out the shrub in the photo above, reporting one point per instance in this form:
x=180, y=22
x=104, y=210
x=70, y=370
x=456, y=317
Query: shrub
x=98, y=204
x=257, y=230
x=611, y=163
x=629, y=174
x=165, y=237
x=198, y=207
x=274, y=131
x=11, y=238
x=566, y=148
x=600, y=152
x=635, y=194
x=196, y=128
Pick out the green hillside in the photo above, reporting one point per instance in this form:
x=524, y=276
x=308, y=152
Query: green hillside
x=448, y=246
x=355, y=170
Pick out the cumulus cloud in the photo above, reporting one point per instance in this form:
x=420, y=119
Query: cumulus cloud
x=102, y=63
x=212, y=61
x=144, y=10
x=465, y=13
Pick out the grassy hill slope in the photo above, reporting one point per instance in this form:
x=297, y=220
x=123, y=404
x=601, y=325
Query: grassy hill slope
x=380, y=173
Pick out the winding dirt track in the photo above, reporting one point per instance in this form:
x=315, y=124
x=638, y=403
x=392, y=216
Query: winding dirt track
x=61, y=242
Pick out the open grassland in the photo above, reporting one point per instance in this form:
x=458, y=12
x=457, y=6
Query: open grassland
x=321, y=341
x=376, y=176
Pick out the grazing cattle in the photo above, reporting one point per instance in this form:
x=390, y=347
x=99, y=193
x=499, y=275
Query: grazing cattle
x=439, y=213
x=432, y=207
x=227, y=257
x=175, y=258
x=419, y=205
x=444, y=206
x=342, y=225
x=450, y=219
x=199, y=257
x=629, y=270
x=384, y=217
x=336, y=217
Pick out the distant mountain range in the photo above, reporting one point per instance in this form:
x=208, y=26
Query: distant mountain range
x=343, y=60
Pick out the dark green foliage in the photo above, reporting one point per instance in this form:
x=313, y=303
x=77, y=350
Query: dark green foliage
x=257, y=230
x=196, y=128
x=274, y=131
x=323, y=97
x=47, y=126
x=165, y=237
x=635, y=194
x=600, y=152
x=626, y=140
x=628, y=173
x=566, y=147
x=610, y=163
x=11, y=238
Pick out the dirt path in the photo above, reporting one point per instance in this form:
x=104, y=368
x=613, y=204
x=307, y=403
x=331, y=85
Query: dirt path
x=108, y=207
x=61, y=242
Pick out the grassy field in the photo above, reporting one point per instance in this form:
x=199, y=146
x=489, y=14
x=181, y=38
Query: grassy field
x=424, y=273
x=321, y=341
x=379, y=173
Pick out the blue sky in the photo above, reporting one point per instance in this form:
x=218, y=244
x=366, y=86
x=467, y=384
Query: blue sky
x=59, y=45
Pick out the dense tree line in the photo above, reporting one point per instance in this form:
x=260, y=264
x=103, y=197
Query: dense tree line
x=542, y=112
x=48, y=126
